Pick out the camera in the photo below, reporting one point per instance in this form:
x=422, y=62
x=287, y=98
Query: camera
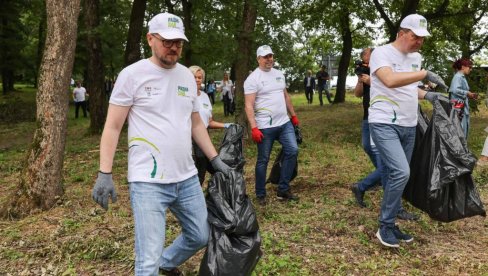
x=361, y=68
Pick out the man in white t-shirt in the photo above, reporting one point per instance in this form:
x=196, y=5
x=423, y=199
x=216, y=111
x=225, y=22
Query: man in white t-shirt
x=79, y=97
x=395, y=72
x=267, y=105
x=158, y=98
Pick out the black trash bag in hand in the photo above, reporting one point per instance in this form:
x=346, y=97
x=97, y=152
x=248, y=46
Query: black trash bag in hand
x=440, y=171
x=234, y=244
x=274, y=175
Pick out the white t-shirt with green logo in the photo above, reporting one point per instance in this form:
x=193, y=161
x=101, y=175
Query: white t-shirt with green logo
x=270, y=106
x=205, y=108
x=159, y=133
x=396, y=106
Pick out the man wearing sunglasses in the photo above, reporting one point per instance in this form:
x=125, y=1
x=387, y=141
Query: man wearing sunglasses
x=158, y=96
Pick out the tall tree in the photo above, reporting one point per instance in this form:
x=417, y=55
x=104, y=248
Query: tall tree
x=133, y=47
x=40, y=181
x=245, y=43
x=95, y=76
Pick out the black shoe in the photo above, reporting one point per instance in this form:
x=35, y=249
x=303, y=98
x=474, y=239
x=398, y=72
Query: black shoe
x=173, y=272
x=261, y=200
x=358, y=195
x=402, y=214
x=286, y=196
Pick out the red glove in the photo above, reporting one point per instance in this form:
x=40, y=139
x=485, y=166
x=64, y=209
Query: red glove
x=257, y=135
x=294, y=120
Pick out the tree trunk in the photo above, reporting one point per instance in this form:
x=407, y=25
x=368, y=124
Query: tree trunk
x=41, y=33
x=133, y=48
x=40, y=182
x=95, y=85
x=245, y=52
x=340, y=96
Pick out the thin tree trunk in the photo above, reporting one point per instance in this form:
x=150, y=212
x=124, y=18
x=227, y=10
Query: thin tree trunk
x=340, y=96
x=40, y=184
x=95, y=78
x=245, y=52
x=133, y=47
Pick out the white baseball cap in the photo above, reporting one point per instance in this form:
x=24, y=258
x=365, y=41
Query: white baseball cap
x=168, y=26
x=416, y=23
x=263, y=51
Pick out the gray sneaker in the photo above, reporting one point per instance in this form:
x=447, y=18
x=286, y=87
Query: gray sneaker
x=403, y=214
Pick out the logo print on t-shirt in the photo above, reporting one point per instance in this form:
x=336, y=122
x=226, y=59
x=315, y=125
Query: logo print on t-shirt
x=279, y=79
x=147, y=89
x=182, y=91
x=205, y=105
x=415, y=67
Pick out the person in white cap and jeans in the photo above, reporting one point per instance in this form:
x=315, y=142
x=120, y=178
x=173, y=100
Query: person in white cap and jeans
x=395, y=72
x=158, y=96
x=267, y=106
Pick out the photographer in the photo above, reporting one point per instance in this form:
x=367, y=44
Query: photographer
x=362, y=90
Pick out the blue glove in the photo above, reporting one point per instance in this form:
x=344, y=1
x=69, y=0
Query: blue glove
x=434, y=78
x=219, y=165
x=104, y=187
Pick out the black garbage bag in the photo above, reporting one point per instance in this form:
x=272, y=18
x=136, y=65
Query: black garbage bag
x=440, y=181
x=230, y=150
x=274, y=175
x=234, y=244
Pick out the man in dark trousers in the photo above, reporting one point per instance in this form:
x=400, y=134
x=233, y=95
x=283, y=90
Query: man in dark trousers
x=323, y=77
x=309, y=84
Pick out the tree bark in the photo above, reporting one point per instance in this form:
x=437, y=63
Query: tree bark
x=95, y=78
x=245, y=43
x=340, y=96
x=40, y=182
x=133, y=48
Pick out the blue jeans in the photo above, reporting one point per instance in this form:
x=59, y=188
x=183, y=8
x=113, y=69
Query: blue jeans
x=373, y=178
x=285, y=134
x=395, y=145
x=149, y=203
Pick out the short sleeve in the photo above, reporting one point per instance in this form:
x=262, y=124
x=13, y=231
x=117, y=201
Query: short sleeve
x=250, y=85
x=123, y=91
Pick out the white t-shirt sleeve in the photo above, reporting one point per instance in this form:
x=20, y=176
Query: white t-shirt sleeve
x=250, y=84
x=122, y=93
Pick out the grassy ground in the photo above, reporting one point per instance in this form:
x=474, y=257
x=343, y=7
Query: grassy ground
x=325, y=233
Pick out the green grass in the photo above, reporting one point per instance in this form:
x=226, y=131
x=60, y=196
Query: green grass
x=323, y=234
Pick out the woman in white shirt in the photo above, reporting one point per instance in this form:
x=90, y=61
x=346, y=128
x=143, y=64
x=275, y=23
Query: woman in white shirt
x=201, y=161
x=227, y=94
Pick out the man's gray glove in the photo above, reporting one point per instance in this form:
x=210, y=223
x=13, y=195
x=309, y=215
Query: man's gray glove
x=434, y=78
x=219, y=165
x=432, y=96
x=104, y=187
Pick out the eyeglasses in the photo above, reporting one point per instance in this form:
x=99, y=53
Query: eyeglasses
x=170, y=43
